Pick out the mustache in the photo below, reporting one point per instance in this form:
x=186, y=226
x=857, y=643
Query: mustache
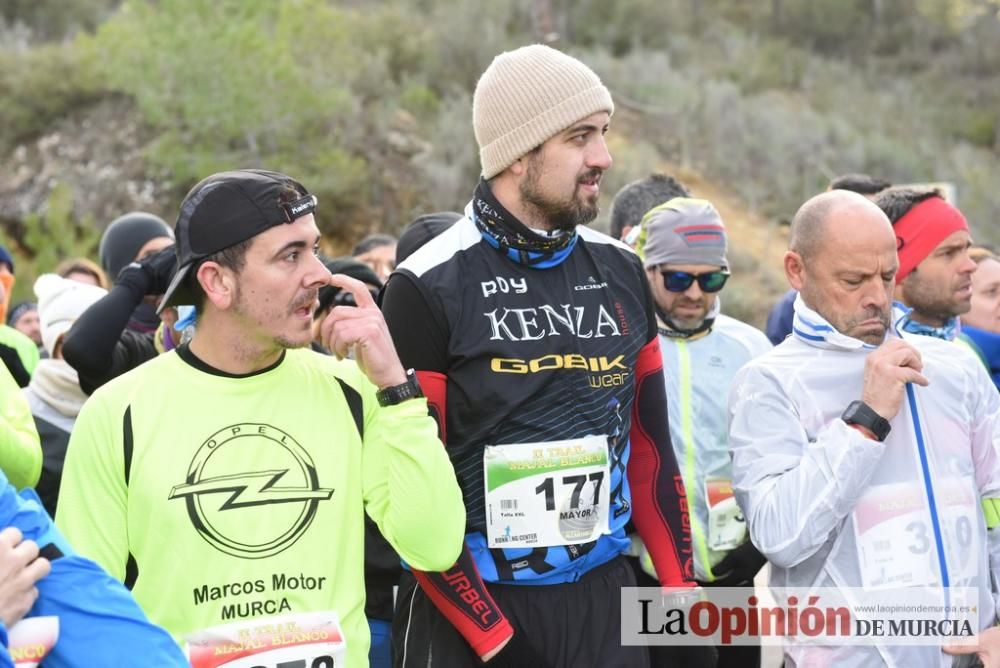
x=883, y=316
x=306, y=300
x=594, y=174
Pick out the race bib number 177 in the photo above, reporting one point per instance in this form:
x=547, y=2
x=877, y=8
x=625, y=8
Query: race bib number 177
x=546, y=494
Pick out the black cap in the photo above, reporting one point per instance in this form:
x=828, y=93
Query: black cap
x=226, y=209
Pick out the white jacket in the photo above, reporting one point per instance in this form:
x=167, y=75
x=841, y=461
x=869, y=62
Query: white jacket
x=697, y=375
x=831, y=508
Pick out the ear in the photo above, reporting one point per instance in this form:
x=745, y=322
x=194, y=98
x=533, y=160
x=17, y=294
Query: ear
x=795, y=270
x=519, y=167
x=219, y=284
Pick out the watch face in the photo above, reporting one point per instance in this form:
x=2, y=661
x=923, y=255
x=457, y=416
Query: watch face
x=861, y=414
x=851, y=413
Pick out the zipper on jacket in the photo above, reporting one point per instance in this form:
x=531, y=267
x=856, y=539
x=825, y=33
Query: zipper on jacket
x=687, y=432
x=928, y=487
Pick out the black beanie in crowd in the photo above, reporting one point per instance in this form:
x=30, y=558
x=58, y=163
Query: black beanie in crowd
x=125, y=236
x=421, y=230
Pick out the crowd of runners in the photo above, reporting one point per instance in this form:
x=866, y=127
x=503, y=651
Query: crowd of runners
x=456, y=448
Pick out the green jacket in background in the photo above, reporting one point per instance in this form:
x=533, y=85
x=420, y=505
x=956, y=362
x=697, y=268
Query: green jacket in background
x=20, y=451
x=26, y=349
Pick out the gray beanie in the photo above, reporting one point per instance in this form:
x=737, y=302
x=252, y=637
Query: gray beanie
x=527, y=96
x=683, y=231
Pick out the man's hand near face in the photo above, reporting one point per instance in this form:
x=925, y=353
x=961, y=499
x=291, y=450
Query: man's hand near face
x=362, y=329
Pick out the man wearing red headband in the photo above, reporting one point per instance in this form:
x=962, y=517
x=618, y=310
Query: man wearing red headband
x=935, y=271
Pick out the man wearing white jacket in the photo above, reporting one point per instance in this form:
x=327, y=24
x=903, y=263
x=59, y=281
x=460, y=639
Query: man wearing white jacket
x=861, y=460
x=683, y=249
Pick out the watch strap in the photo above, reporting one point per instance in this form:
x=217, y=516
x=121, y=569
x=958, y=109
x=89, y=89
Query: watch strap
x=390, y=396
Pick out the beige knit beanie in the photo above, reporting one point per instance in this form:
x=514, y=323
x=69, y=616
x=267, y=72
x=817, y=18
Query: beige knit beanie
x=527, y=96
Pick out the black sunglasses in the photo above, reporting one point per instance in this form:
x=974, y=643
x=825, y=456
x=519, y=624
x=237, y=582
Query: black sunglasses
x=679, y=281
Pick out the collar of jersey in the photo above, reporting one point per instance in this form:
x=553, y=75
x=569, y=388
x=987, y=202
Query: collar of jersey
x=184, y=352
x=535, y=260
x=810, y=327
x=946, y=332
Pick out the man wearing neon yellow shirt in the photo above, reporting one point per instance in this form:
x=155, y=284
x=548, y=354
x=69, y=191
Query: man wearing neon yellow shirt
x=225, y=482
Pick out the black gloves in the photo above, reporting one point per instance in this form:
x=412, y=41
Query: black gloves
x=10, y=358
x=152, y=275
x=739, y=566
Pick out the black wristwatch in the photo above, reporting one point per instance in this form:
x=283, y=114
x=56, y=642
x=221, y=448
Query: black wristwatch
x=391, y=396
x=863, y=415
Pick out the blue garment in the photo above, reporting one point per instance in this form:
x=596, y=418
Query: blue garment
x=99, y=622
x=987, y=346
x=946, y=332
x=380, y=651
x=779, y=320
x=5, y=660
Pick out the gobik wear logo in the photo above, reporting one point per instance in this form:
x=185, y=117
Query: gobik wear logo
x=251, y=514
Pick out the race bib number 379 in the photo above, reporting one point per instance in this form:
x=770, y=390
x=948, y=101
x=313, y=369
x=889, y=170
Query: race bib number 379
x=546, y=494
x=308, y=640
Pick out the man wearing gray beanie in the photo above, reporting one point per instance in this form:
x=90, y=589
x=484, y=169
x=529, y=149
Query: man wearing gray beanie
x=535, y=341
x=683, y=245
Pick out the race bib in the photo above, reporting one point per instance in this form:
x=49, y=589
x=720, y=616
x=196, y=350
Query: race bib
x=894, y=538
x=958, y=508
x=727, y=529
x=546, y=494
x=31, y=640
x=307, y=640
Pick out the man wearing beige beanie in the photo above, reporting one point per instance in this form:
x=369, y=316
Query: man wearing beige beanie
x=535, y=341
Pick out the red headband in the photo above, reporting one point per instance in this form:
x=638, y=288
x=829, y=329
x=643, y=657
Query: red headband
x=920, y=231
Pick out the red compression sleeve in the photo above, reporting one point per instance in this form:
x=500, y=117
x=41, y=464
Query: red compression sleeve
x=459, y=593
x=435, y=387
x=659, y=504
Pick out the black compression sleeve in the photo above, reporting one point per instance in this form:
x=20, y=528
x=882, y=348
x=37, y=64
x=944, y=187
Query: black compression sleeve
x=94, y=345
x=415, y=325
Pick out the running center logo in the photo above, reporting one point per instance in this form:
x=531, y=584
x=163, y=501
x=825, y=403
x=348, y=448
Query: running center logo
x=251, y=514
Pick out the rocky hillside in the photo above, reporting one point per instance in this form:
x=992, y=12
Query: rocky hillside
x=114, y=105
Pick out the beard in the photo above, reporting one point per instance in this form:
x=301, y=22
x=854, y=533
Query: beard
x=931, y=300
x=848, y=325
x=844, y=322
x=870, y=314
x=688, y=322
x=562, y=215
x=270, y=317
